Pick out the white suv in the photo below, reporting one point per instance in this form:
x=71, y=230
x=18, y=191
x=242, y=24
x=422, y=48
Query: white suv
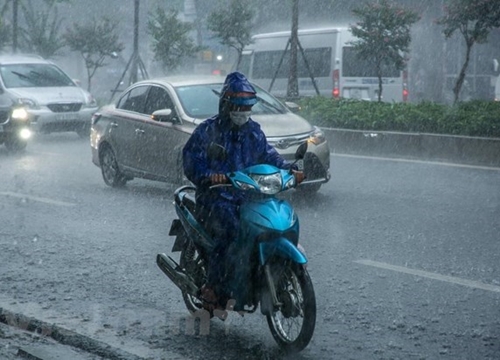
x=52, y=100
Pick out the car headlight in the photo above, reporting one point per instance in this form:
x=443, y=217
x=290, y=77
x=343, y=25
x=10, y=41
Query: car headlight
x=90, y=101
x=28, y=103
x=25, y=133
x=19, y=113
x=268, y=184
x=317, y=136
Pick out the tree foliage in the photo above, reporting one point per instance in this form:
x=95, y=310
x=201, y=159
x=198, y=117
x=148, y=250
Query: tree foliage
x=383, y=34
x=41, y=35
x=232, y=24
x=4, y=34
x=471, y=118
x=474, y=19
x=171, y=42
x=34, y=33
x=95, y=40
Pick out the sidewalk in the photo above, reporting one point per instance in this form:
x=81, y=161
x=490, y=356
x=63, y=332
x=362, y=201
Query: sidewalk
x=16, y=344
x=464, y=150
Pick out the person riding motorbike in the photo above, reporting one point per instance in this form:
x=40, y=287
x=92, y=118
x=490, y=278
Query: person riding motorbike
x=245, y=145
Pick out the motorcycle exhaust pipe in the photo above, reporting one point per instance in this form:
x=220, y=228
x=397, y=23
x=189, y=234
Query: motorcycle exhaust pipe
x=178, y=277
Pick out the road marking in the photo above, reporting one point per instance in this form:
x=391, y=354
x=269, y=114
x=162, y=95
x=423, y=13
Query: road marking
x=36, y=198
x=434, y=276
x=418, y=161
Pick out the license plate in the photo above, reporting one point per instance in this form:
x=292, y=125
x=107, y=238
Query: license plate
x=66, y=116
x=357, y=93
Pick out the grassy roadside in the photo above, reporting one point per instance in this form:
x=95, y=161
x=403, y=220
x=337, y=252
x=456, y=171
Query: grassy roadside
x=472, y=118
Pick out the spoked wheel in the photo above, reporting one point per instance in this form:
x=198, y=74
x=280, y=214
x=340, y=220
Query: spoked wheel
x=109, y=168
x=292, y=325
x=194, y=266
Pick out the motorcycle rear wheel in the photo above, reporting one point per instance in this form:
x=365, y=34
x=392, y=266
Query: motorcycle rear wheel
x=194, y=266
x=292, y=325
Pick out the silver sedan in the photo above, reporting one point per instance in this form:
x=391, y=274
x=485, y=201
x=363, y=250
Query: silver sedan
x=143, y=133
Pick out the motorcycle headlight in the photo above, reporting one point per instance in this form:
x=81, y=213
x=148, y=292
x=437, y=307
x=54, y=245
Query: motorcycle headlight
x=268, y=184
x=317, y=136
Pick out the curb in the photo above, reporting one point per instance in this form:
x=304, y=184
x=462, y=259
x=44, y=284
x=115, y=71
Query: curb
x=432, y=147
x=65, y=337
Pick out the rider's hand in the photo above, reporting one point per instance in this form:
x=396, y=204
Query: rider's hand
x=299, y=176
x=218, y=179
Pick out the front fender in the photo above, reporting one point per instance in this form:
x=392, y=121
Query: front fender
x=280, y=247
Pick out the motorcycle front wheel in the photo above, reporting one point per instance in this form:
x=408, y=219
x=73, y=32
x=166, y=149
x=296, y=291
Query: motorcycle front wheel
x=292, y=324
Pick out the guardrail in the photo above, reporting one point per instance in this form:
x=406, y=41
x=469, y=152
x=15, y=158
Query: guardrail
x=432, y=147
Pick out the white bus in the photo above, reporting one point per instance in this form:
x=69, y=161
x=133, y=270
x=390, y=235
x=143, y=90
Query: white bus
x=336, y=69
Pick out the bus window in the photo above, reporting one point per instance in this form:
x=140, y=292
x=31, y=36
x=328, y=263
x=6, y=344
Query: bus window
x=266, y=63
x=353, y=66
x=245, y=64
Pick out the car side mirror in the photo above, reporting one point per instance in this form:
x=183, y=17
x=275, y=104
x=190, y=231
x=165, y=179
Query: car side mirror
x=293, y=107
x=162, y=115
x=216, y=152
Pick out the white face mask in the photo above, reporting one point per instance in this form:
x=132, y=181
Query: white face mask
x=239, y=117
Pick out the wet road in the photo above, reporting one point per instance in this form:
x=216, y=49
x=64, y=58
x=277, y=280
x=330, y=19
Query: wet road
x=403, y=256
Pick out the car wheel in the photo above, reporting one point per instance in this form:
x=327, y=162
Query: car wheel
x=15, y=144
x=109, y=168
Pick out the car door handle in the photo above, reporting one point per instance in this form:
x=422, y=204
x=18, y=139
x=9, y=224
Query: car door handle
x=113, y=125
x=139, y=131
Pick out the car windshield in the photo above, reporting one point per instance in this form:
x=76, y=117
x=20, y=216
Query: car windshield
x=33, y=75
x=202, y=101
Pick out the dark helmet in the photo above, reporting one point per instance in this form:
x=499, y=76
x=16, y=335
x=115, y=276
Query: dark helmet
x=235, y=84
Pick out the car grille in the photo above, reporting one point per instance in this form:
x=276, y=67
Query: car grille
x=4, y=116
x=66, y=107
x=286, y=142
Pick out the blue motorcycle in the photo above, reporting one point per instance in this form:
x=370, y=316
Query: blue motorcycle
x=269, y=230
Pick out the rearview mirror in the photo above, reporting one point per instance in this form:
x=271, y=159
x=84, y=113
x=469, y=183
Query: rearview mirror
x=301, y=151
x=162, y=115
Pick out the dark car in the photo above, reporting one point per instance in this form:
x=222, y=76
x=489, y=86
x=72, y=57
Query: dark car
x=143, y=134
x=14, y=126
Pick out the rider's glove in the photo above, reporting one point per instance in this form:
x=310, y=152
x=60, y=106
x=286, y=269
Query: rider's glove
x=218, y=179
x=299, y=176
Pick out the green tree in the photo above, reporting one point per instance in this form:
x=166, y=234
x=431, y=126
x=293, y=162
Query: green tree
x=171, y=41
x=42, y=32
x=384, y=35
x=95, y=40
x=232, y=24
x=4, y=34
x=15, y=9
x=474, y=19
